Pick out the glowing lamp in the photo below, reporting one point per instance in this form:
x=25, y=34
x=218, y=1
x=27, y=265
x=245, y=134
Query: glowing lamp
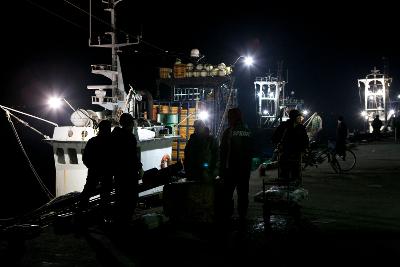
x=248, y=61
x=203, y=115
x=55, y=102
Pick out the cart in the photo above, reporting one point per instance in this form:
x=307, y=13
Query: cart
x=280, y=197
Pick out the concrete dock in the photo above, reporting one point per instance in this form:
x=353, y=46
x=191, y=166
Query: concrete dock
x=348, y=219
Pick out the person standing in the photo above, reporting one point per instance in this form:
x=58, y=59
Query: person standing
x=127, y=167
x=291, y=140
x=201, y=154
x=315, y=127
x=376, y=127
x=396, y=126
x=235, y=164
x=341, y=137
x=95, y=157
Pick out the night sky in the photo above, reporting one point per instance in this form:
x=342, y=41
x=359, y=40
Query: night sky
x=324, y=48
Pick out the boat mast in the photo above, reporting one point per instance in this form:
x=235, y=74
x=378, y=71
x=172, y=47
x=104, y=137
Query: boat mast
x=116, y=102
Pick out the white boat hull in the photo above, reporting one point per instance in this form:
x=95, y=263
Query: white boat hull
x=71, y=173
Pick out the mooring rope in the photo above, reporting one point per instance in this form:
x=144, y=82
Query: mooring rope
x=40, y=181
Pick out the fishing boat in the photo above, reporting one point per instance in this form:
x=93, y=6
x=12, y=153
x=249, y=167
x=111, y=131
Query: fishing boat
x=113, y=99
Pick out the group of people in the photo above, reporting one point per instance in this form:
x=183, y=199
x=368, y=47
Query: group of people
x=230, y=162
x=112, y=161
x=292, y=139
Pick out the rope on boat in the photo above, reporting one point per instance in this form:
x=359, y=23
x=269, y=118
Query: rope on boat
x=27, y=125
x=221, y=124
x=40, y=181
x=308, y=121
x=26, y=114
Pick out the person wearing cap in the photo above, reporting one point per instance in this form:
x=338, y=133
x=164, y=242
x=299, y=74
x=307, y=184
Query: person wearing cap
x=95, y=159
x=201, y=154
x=291, y=140
x=127, y=167
x=236, y=151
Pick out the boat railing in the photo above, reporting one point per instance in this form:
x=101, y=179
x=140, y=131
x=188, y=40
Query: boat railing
x=105, y=99
x=101, y=67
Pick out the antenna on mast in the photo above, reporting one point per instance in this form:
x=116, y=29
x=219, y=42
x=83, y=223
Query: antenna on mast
x=385, y=66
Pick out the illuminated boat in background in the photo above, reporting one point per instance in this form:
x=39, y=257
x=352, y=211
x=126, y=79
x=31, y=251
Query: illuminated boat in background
x=272, y=105
x=154, y=142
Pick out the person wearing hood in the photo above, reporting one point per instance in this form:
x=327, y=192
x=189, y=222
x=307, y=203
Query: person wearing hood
x=128, y=166
x=201, y=154
x=95, y=158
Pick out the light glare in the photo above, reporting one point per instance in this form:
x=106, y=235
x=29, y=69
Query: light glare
x=54, y=102
x=248, y=61
x=203, y=115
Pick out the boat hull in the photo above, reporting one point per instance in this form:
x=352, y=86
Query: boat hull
x=71, y=173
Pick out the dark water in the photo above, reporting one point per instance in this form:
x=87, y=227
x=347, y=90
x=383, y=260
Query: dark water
x=20, y=192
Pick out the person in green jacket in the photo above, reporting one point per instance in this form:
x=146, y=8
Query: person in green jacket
x=201, y=155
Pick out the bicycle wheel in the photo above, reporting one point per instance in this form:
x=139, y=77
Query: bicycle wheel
x=346, y=161
x=307, y=160
x=321, y=156
x=314, y=158
x=335, y=165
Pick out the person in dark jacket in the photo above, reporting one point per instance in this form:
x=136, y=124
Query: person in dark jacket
x=236, y=150
x=291, y=140
x=127, y=167
x=376, y=127
x=95, y=157
x=396, y=126
x=341, y=137
x=201, y=154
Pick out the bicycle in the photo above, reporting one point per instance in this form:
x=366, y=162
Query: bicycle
x=340, y=162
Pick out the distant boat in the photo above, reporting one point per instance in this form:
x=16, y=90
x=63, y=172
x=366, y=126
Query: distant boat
x=272, y=105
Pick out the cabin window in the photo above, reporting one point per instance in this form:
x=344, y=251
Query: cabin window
x=73, y=157
x=60, y=155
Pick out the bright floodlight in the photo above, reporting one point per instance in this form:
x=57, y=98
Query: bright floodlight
x=398, y=96
x=54, y=102
x=305, y=112
x=265, y=112
x=203, y=115
x=363, y=113
x=248, y=61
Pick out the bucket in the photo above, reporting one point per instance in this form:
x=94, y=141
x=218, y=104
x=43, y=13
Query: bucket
x=154, y=112
x=179, y=70
x=174, y=110
x=165, y=73
x=182, y=146
x=164, y=109
x=167, y=118
x=175, y=154
x=171, y=119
